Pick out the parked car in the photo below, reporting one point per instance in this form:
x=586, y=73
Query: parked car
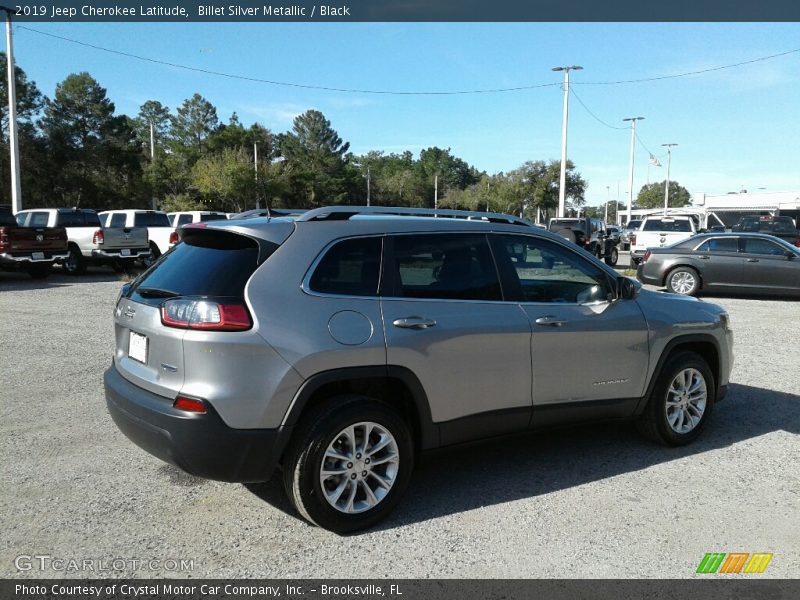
x=342, y=344
x=30, y=249
x=614, y=233
x=630, y=227
x=750, y=263
x=177, y=219
x=159, y=230
x=88, y=240
x=658, y=232
x=589, y=234
x=781, y=227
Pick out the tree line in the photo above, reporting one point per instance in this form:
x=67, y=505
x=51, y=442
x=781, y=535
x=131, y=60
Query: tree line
x=75, y=150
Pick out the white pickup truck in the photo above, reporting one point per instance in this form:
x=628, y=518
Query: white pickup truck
x=657, y=231
x=88, y=240
x=157, y=223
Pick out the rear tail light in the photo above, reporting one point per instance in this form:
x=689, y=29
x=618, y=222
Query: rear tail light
x=797, y=242
x=632, y=239
x=189, y=405
x=99, y=237
x=173, y=238
x=3, y=242
x=646, y=256
x=205, y=315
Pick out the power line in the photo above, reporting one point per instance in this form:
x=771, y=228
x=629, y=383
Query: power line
x=398, y=92
x=596, y=118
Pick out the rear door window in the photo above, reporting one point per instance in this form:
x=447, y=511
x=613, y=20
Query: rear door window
x=761, y=246
x=350, y=267
x=719, y=245
x=445, y=266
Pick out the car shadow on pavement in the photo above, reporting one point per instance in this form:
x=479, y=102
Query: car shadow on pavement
x=495, y=472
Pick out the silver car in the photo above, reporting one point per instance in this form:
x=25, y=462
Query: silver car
x=337, y=346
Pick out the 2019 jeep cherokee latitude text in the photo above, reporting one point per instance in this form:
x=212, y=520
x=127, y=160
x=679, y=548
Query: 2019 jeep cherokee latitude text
x=338, y=346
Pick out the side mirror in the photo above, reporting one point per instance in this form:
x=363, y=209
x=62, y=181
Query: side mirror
x=627, y=288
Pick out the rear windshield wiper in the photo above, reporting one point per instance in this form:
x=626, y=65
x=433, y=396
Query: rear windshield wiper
x=150, y=292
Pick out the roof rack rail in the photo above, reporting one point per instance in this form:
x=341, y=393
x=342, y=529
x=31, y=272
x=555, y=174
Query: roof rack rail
x=343, y=213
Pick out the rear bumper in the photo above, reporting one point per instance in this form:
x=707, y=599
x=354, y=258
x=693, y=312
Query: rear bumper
x=116, y=254
x=27, y=257
x=200, y=444
x=647, y=278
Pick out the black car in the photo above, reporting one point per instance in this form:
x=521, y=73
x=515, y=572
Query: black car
x=750, y=263
x=590, y=234
x=782, y=227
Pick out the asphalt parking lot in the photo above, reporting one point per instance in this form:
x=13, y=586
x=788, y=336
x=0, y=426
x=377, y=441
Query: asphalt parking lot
x=591, y=502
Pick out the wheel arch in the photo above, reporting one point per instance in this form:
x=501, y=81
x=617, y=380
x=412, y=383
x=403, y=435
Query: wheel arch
x=394, y=385
x=705, y=345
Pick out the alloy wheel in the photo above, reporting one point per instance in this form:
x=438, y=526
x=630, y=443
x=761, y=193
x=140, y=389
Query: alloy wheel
x=686, y=400
x=683, y=282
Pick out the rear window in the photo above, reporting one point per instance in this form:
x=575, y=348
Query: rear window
x=668, y=225
x=150, y=219
x=116, y=220
x=204, y=264
x=204, y=218
x=77, y=218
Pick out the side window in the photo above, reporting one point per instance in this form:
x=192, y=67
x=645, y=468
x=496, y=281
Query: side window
x=547, y=272
x=183, y=220
x=349, y=268
x=117, y=220
x=446, y=267
x=719, y=245
x=759, y=246
x=70, y=218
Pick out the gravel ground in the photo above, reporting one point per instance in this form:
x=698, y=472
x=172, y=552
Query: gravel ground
x=588, y=502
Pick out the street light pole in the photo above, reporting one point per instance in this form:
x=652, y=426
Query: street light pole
x=608, y=198
x=13, y=140
x=562, y=187
x=666, y=184
x=368, y=186
x=255, y=168
x=630, y=176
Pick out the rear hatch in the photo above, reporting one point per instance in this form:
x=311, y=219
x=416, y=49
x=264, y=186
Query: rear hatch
x=115, y=238
x=209, y=269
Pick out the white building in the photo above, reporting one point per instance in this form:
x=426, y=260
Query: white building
x=729, y=207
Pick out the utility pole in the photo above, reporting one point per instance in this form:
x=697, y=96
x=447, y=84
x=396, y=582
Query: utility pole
x=630, y=177
x=666, y=184
x=153, y=203
x=368, y=186
x=436, y=192
x=13, y=140
x=562, y=188
x=608, y=198
x=255, y=168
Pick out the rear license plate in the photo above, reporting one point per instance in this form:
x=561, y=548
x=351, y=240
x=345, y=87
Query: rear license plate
x=38, y=256
x=137, y=347
x=125, y=252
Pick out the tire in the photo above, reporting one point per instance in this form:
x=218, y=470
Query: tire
x=76, y=264
x=683, y=280
x=324, y=432
x=633, y=264
x=568, y=235
x=155, y=253
x=122, y=266
x=656, y=421
x=612, y=258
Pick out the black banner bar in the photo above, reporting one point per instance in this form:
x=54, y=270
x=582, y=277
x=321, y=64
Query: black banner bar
x=406, y=10
x=714, y=587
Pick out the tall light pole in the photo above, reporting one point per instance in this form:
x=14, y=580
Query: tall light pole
x=608, y=198
x=630, y=176
x=255, y=168
x=436, y=191
x=368, y=186
x=562, y=188
x=666, y=184
x=13, y=140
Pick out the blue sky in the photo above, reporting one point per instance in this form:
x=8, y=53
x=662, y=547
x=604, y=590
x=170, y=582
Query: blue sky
x=735, y=127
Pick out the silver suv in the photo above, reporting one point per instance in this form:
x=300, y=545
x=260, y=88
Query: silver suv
x=339, y=345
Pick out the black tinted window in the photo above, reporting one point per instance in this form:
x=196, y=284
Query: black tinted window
x=454, y=267
x=719, y=245
x=759, y=246
x=77, y=218
x=667, y=225
x=216, y=217
x=351, y=268
x=150, y=219
x=547, y=272
x=7, y=219
x=204, y=264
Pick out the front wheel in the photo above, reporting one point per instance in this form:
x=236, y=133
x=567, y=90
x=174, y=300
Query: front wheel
x=612, y=257
x=681, y=402
x=683, y=280
x=350, y=464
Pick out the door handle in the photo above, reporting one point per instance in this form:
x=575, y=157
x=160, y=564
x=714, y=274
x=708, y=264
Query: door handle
x=752, y=260
x=551, y=321
x=704, y=257
x=414, y=323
